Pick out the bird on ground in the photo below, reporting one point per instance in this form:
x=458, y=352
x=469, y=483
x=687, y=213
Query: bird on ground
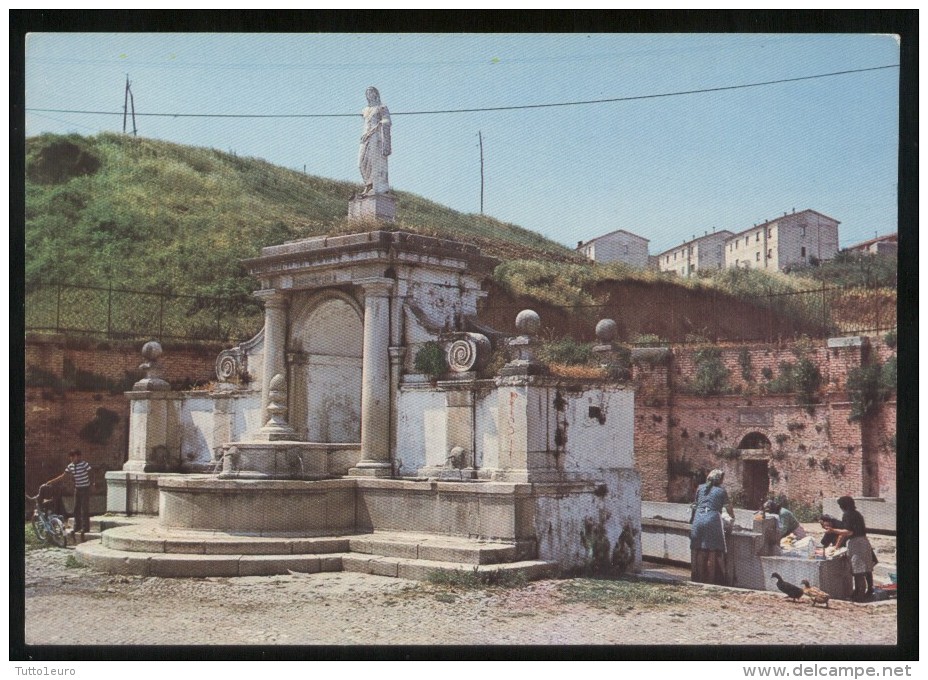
x=816, y=595
x=792, y=592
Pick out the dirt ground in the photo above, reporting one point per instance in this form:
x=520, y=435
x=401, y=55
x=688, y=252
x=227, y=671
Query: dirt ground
x=358, y=609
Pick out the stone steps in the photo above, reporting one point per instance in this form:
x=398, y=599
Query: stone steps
x=147, y=549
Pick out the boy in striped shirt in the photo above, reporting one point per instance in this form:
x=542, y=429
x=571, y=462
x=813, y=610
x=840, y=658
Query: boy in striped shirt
x=79, y=469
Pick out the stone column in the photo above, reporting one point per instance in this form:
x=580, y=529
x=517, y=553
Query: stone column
x=397, y=355
x=375, y=380
x=275, y=342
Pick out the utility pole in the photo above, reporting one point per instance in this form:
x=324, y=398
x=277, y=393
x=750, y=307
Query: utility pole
x=480, y=136
x=128, y=100
x=125, y=105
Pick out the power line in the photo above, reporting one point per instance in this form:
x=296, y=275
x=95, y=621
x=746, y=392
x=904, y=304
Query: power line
x=477, y=110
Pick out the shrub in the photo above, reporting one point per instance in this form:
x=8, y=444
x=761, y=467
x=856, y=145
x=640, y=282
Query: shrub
x=430, y=359
x=711, y=375
x=868, y=386
x=890, y=339
x=802, y=378
x=566, y=351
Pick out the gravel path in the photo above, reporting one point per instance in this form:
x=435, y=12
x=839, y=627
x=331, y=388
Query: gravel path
x=359, y=609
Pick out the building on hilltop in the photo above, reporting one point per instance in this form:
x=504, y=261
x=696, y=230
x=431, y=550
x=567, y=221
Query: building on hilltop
x=700, y=254
x=616, y=246
x=881, y=245
x=799, y=238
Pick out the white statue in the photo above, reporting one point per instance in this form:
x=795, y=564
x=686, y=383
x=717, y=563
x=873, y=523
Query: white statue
x=375, y=145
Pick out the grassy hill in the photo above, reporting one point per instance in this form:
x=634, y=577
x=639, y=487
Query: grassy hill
x=140, y=214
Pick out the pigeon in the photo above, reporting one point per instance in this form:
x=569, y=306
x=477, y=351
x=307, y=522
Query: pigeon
x=817, y=596
x=792, y=592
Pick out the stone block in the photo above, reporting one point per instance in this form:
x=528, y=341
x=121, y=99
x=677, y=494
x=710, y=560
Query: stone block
x=833, y=576
x=855, y=341
x=99, y=557
x=116, y=541
x=340, y=510
x=243, y=547
x=192, y=566
x=266, y=565
x=295, y=512
x=497, y=518
x=458, y=514
x=177, y=510
x=209, y=509
x=331, y=563
x=189, y=547
x=357, y=563
x=245, y=513
x=318, y=546
x=361, y=545
x=414, y=570
x=388, y=548
x=385, y=567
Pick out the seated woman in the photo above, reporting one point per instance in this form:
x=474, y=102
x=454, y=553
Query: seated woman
x=785, y=519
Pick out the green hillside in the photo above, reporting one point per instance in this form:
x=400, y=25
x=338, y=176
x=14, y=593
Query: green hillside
x=126, y=213
x=145, y=214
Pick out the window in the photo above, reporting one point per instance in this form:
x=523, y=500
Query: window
x=770, y=233
x=770, y=254
x=802, y=252
x=626, y=250
x=802, y=231
x=756, y=237
x=757, y=256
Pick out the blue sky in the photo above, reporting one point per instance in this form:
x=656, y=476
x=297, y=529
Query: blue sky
x=667, y=168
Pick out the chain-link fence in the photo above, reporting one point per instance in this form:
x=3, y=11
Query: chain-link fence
x=117, y=313
x=668, y=315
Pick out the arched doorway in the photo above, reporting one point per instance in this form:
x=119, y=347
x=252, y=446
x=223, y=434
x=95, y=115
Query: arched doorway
x=326, y=341
x=755, y=479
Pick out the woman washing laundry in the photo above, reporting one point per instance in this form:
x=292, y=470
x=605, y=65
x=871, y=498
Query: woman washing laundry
x=707, y=534
x=861, y=554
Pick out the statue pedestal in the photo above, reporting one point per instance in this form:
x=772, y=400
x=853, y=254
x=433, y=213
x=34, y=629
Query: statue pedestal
x=374, y=206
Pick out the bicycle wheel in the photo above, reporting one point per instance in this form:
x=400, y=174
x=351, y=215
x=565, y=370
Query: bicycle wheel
x=39, y=527
x=58, y=535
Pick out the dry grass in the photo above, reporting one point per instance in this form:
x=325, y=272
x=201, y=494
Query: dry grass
x=574, y=372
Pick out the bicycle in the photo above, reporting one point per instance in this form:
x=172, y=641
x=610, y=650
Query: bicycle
x=49, y=526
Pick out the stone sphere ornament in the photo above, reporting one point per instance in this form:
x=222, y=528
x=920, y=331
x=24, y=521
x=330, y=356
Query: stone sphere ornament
x=606, y=331
x=152, y=350
x=528, y=322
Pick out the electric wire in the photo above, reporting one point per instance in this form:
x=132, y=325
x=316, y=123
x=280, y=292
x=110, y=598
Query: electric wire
x=586, y=102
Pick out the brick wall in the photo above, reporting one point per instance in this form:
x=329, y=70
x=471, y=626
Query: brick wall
x=59, y=417
x=814, y=452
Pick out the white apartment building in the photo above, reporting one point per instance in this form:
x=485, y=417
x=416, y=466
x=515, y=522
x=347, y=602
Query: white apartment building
x=700, y=254
x=616, y=246
x=793, y=239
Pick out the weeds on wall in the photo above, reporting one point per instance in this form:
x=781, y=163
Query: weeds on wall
x=890, y=339
x=869, y=386
x=430, y=360
x=744, y=360
x=801, y=378
x=711, y=375
x=566, y=351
